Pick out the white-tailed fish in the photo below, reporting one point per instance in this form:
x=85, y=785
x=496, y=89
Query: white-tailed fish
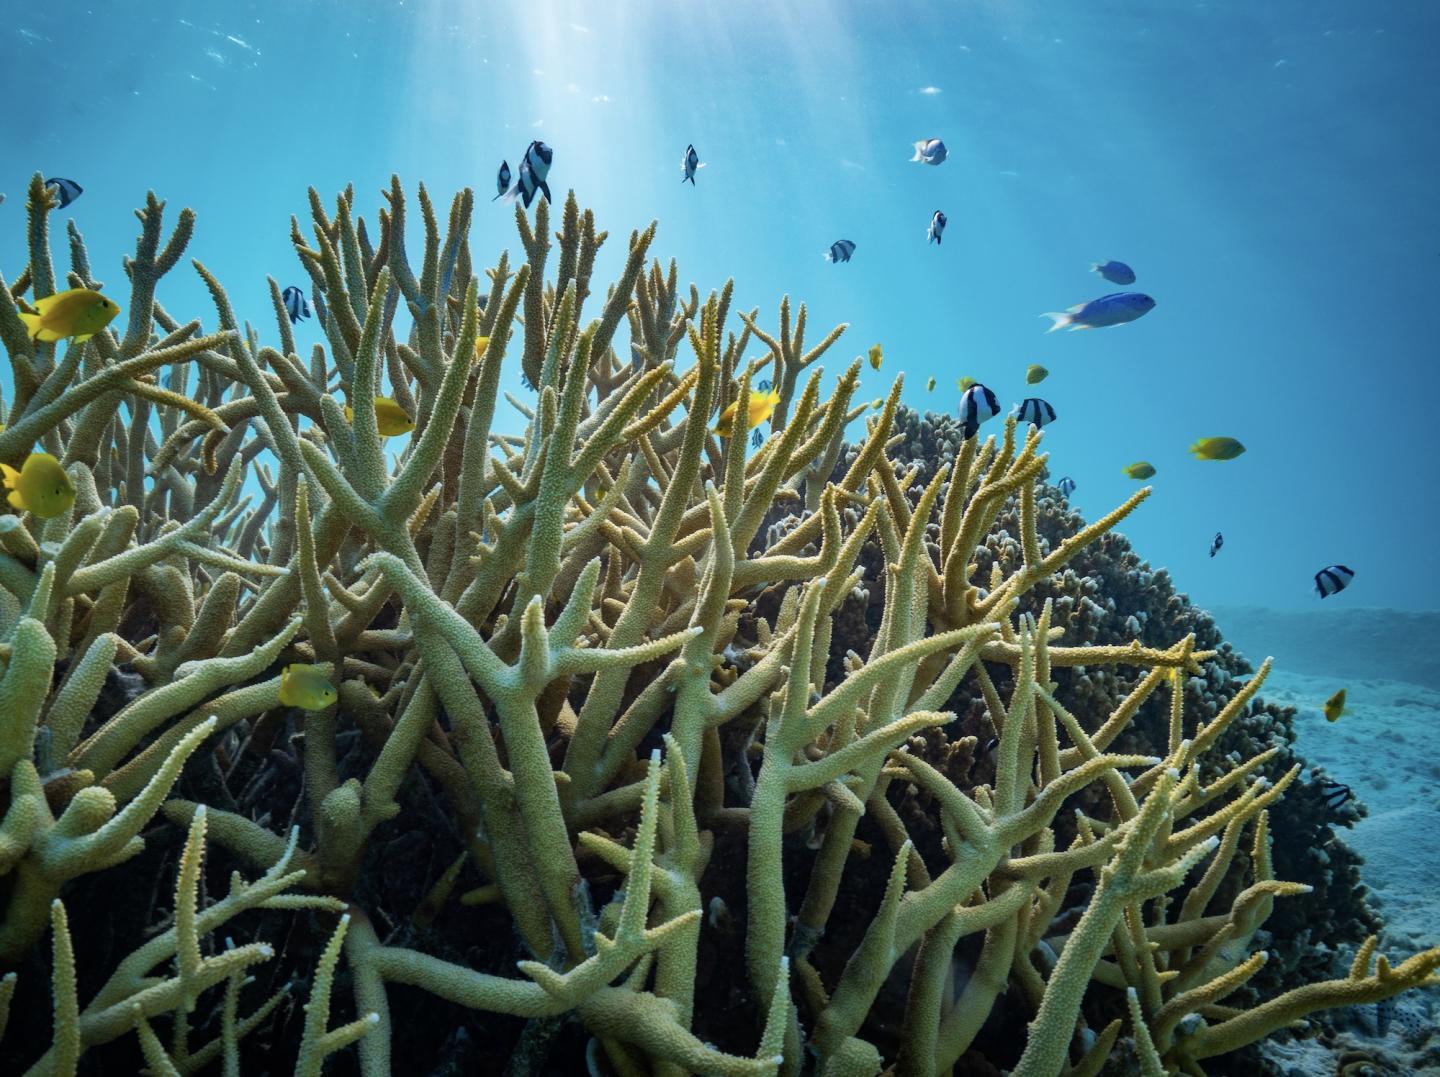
x=295, y=304
x=930, y=151
x=1034, y=411
x=1333, y=579
x=502, y=180
x=1114, y=309
x=937, y=227
x=1066, y=485
x=977, y=405
x=534, y=169
x=840, y=251
x=1216, y=543
x=689, y=164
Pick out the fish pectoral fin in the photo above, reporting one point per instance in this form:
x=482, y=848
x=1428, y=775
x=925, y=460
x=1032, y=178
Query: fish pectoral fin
x=16, y=500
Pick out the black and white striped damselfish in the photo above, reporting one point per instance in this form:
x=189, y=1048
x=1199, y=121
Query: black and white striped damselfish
x=502, y=180
x=689, y=164
x=1332, y=579
x=1066, y=485
x=67, y=190
x=295, y=304
x=1034, y=411
x=1216, y=543
x=977, y=405
x=534, y=169
x=937, y=227
x=840, y=251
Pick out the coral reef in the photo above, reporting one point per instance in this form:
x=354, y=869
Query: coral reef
x=648, y=754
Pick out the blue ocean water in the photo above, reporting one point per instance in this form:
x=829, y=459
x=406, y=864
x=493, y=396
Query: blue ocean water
x=1267, y=169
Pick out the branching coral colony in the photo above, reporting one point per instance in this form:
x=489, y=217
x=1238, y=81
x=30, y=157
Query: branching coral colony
x=588, y=671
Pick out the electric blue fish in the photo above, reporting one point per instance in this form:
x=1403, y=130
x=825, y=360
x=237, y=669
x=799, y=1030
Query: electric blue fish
x=534, y=168
x=1117, y=308
x=840, y=251
x=1113, y=271
x=689, y=164
x=295, y=304
x=1034, y=411
x=930, y=151
x=502, y=180
x=1066, y=485
x=937, y=227
x=977, y=405
x=67, y=190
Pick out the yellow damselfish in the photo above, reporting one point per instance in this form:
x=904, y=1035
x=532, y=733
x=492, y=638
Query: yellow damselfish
x=1217, y=449
x=391, y=419
x=1035, y=374
x=1141, y=469
x=1335, y=706
x=964, y=383
x=930, y=385
x=40, y=486
x=306, y=687
x=481, y=343
x=78, y=313
x=876, y=356
x=762, y=406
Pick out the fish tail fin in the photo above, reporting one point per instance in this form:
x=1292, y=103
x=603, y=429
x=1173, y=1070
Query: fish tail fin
x=11, y=475
x=1062, y=319
x=511, y=195
x=919, y=147
x=1197, y=450
x=32, y=323
x=502, y=194
x=1094, y=267
x=828, y=256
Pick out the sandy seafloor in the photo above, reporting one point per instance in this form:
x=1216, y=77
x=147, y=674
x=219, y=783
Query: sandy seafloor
x=1386, y=748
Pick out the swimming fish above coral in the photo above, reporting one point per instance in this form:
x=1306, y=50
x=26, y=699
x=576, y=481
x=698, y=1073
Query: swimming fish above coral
x=66, y=190
x=762, y=406
x=1117, y=308
x=1332, y=579
x=1066, y=485
x=295, y=305
x=937, y=227
x=1216, y=449
x=977, y=405
x=1216, y=543
x=1141, y=469
x=306, y=687
x=78, y=313
x=840, y=251
x=1113, y=271
x=877, y=356
x=502, y=180
x=1038, y=413
x=40, y=486
x=930, y=384
x=1035, y=374
x=689, y=164
x=534, y=169
x=390, y=418
x=1335, y=706
x=930, y=151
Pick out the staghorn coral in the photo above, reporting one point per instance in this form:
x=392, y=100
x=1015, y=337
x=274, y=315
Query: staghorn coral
x=621, y=768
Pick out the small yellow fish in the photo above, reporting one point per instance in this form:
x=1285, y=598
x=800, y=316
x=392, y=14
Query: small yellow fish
x=1141, y=469
x=1335, y=706
x=40, y=486
x=964, y=383
x=78, y=313
x=481, y=343
x=878, y=403
x=1217, y=449
x=876, y=356
x=762, y=406
x=1035, y=374
x=390, y=417
x=930, y=385
x=306, y=687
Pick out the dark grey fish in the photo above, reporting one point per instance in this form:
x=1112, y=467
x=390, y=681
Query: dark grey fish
x=840, y=251
x=502, y=180
x=1216, y=543
x=1113, y=271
